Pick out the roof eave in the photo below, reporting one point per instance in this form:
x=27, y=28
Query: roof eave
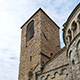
x=37, y=12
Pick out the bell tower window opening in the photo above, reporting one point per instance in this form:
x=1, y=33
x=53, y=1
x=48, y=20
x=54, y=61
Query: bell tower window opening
x=30, y=30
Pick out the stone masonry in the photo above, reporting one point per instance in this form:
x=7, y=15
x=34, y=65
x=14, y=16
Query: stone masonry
x=41, y=57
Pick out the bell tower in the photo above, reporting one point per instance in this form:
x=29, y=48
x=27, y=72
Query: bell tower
x=39, y=43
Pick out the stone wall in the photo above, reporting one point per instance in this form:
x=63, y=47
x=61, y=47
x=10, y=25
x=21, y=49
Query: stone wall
x=44, y=28
x=56, y=69
x=50, y=42
x=73, y=54
x=30, y=48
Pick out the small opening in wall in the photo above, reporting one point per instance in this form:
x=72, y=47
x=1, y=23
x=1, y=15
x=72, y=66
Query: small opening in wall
x=51, y=54
x=67, y=74
x=73, y=62
x=42, y=65
x=30, y=58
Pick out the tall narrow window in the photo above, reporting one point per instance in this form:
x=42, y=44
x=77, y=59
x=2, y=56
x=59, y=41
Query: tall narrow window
x=69, y=35
x=74, y=28
x=30, y=58
x=30, y=30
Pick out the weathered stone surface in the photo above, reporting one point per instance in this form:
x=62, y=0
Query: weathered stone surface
x=40, y=46
x=42, y=58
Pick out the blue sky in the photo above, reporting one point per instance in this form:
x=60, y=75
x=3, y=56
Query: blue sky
x=13, y=13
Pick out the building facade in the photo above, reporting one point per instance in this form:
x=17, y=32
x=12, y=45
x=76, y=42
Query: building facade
x=41, y=57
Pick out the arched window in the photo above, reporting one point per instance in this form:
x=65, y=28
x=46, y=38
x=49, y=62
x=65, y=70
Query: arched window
x=69, y=35
x=74, y=28
x=30, y=30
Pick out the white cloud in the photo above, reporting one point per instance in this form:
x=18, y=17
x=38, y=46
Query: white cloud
x=13, y=13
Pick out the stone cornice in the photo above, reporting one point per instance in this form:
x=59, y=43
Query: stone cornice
x=53, y=69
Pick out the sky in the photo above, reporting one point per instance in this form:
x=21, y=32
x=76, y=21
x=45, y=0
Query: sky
x=13, y=14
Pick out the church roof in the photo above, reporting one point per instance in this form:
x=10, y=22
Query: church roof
x=59, y=53
x=36, y=13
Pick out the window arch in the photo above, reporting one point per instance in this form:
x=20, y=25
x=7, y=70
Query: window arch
x=69, y=35
x=70, y=54
x=47, y=77
x=42, y=77
x=56, y=74
x=30, y=30
x=74, y=27
x=30, y=74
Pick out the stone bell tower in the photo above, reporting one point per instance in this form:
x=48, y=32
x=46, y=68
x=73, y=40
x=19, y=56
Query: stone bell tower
x=39, y=43
x=71, y=35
